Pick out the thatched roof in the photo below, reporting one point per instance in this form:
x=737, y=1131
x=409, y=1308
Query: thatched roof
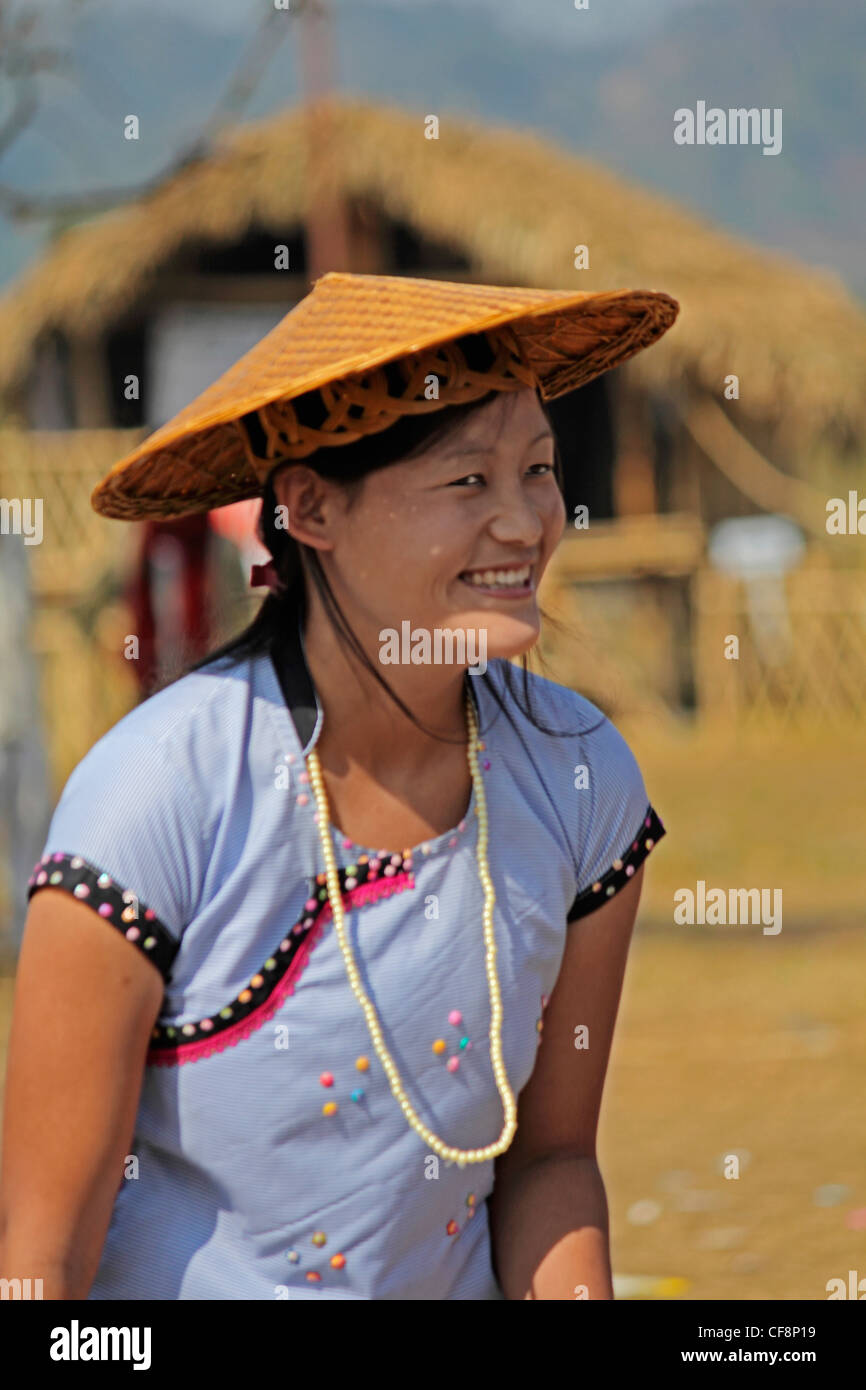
x=516, y=205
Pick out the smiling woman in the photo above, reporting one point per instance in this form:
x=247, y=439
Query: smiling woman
x=349, y=905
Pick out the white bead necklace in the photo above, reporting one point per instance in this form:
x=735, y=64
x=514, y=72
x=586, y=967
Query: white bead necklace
x=445, y=1151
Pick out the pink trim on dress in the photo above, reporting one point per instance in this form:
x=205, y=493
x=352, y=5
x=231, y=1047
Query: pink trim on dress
x=205, y=1047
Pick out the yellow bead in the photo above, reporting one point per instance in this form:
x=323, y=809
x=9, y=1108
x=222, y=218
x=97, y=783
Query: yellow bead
x=329, y=1108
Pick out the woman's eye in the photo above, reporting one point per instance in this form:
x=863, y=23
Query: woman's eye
x=473, y=477
x=469, y=477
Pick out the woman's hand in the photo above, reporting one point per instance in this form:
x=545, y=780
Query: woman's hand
x=85, y=1005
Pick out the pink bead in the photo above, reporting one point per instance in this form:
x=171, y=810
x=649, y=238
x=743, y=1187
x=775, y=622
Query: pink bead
x=462, y=825
x=347, y=844
x=390, y=870
x=303, y=777
x=395, y=859
x=453, y=1063
x=133, y=934
x=486, y=764
x=303, y=799
x=455, y=1017
x=453, y=841
x=105, y=909
x=327, y=1078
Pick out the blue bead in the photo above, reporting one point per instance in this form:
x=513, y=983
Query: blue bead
x=357, y=1094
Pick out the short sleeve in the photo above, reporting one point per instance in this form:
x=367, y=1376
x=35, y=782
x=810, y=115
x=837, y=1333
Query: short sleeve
x=617, y=825
x=126, y=839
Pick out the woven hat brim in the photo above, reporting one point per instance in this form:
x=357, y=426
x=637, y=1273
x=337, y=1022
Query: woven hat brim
x=346, y=326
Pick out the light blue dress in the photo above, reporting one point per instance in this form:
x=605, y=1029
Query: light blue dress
x=270, y=1159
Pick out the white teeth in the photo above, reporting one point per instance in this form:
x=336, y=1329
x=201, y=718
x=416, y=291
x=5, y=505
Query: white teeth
x=503, y=579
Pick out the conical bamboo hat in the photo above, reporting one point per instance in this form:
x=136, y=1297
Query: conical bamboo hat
x=336, y=341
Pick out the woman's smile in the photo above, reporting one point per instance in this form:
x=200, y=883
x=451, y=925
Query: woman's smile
x=508, y=581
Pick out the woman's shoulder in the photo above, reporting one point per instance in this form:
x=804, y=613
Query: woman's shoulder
x=585, y=774
x=178, y=710
x=547, y=703
x=143, y=804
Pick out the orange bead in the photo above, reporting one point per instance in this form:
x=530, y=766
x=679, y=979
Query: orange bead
x=313, y=1277
x=245, y=996
x=363, y=1064
x=337, y=1261
x=439, y=1046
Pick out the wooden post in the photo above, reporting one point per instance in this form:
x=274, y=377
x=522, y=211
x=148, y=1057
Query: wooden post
x=634, y=487
x=88, y=373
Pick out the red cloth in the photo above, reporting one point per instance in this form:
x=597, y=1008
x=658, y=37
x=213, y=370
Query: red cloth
x=193, y=534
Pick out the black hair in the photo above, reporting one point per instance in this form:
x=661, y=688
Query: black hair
x=349, y=465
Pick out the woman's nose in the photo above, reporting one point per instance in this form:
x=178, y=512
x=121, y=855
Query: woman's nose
x=516, y=518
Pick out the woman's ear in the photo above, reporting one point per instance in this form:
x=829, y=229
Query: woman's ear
x=307, y=506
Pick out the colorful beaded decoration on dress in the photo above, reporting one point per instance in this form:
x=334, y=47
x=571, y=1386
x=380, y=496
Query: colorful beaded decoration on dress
x=621, y=870
x=364, y=881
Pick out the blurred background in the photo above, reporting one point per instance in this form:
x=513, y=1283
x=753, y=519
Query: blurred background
x=170, y=185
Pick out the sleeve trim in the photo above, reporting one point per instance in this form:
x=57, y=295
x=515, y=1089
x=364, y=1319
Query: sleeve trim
x=621, y=870
x=120, y=907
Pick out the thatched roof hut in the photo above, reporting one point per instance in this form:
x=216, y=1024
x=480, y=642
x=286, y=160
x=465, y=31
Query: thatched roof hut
x=513, y=206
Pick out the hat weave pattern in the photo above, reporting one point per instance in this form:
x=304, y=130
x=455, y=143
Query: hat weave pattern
x=376, y=407
x=336, y=341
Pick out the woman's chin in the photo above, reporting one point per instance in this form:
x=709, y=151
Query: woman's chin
x=502, y=635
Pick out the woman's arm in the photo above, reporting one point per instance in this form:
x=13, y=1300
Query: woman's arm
x=548, y=1209
x=85, y=1005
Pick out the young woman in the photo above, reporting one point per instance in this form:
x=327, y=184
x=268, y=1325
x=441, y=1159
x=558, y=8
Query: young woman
x=350, y=882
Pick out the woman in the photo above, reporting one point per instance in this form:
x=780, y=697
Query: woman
x=349, y=880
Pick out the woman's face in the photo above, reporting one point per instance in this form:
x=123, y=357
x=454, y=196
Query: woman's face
x=458, y=537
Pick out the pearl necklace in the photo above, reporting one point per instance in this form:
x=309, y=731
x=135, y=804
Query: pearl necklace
x=445, y=1151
